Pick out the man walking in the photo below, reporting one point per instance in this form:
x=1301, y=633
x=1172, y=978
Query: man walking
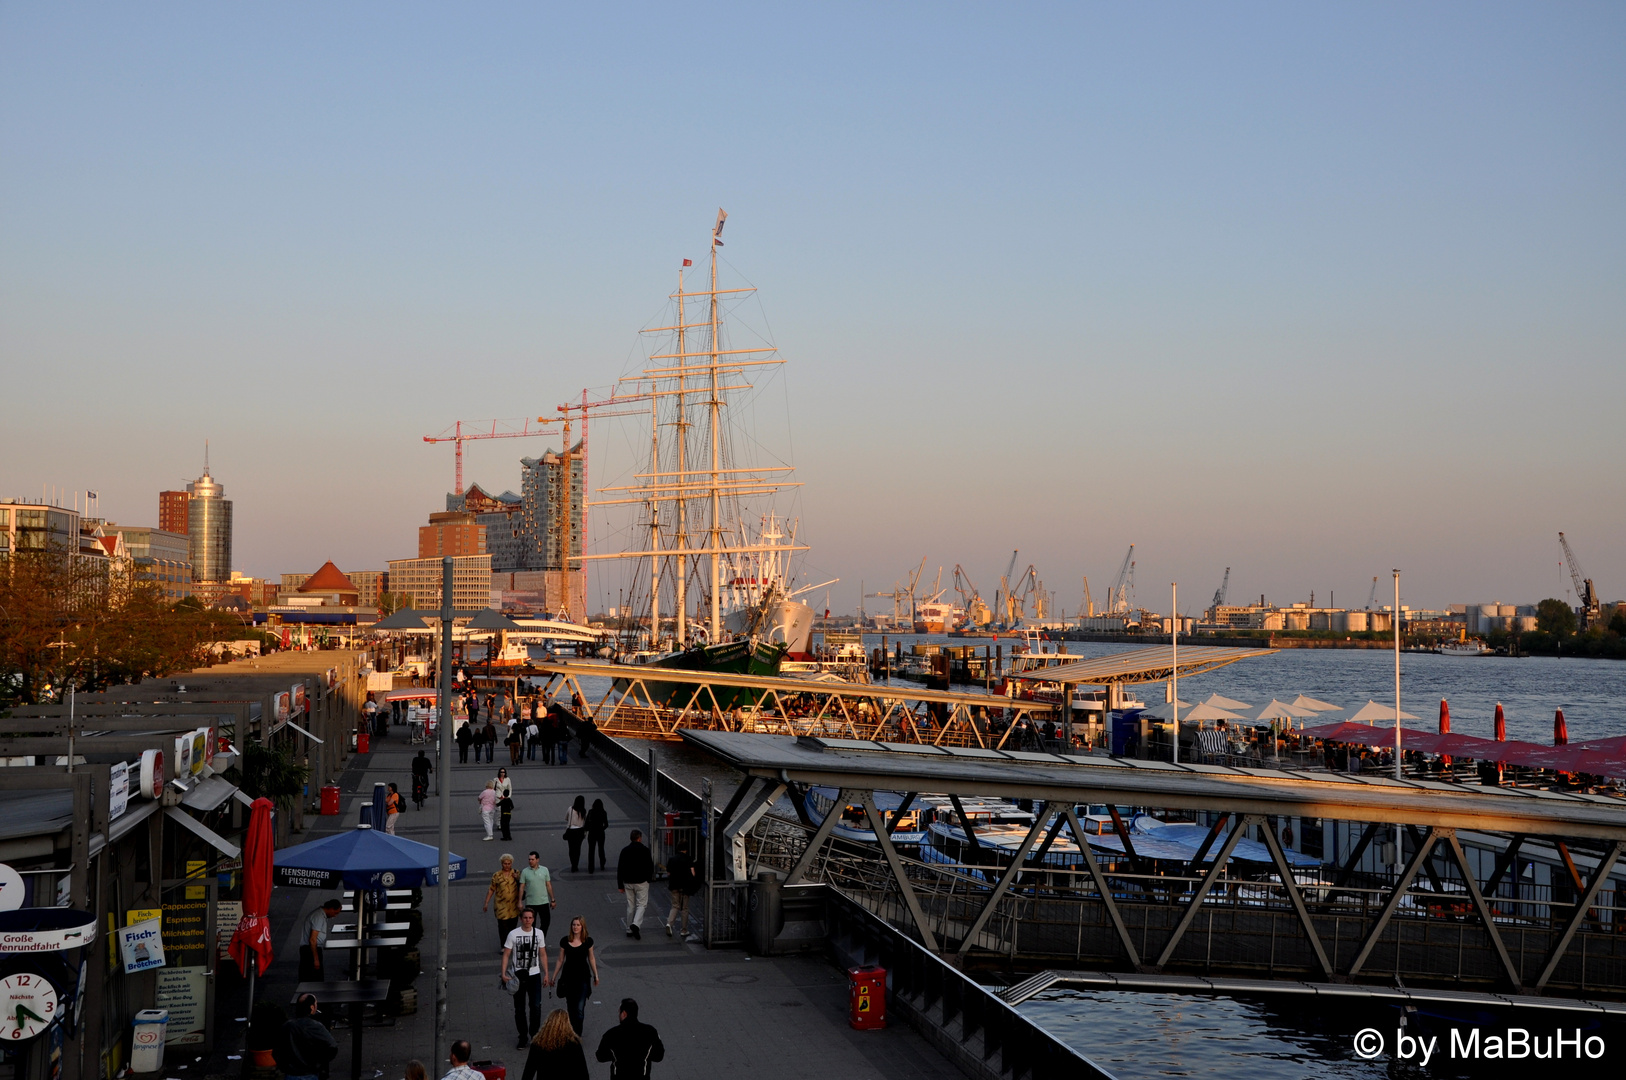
x=630, y=1047
x=310, y=950
x=525, y=959
x=536, y=891
x=684, y=883
x=633, y=872
x=304, y=1047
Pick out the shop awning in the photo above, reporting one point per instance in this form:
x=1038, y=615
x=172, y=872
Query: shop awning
x=203, y=832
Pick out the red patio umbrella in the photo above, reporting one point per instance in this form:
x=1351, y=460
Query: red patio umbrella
x=1445, y=728
x=253, y=935
x=1561, y=731
x=1501, y=724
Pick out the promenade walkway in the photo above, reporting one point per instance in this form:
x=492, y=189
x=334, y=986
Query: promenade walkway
x=717, y=1011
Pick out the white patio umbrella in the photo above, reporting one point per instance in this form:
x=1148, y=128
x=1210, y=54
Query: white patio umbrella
x=1220, y=701
x=1165, y=711
x=1372, y=712
x=1315, y=706
x=1279, y=710
x=1206, y=711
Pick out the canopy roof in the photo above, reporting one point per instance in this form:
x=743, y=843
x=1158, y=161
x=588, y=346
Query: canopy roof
x=492, y=619
x=405, y=619
x=363, y=858
x=1302, y=702
x=1154, y=664
x=1220, y=701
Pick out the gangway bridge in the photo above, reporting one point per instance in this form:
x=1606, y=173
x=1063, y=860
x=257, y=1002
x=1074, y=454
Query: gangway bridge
x=648, y=702
x=1457, y=914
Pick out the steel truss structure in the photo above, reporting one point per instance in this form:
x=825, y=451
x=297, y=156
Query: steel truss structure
x=900, y=713
x=1459, y=930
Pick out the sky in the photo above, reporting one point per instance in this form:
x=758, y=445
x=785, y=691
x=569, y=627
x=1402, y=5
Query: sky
x=1307, y=291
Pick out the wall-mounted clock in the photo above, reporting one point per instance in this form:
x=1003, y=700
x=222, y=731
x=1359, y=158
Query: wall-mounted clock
x=28, y=1005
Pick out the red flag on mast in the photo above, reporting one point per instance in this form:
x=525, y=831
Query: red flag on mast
x=688, y=262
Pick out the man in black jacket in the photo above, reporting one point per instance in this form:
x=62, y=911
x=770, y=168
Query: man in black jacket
x=305, y=1047
x=633, y=872
x=684, y=883
x=630, y=1047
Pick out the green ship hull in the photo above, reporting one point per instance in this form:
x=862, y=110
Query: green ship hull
x=730, y=658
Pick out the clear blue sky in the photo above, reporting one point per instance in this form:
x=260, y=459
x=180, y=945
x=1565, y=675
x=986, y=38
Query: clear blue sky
x=1310, y=291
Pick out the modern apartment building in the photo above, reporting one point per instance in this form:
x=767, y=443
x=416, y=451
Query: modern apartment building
x=420, y=580
x=159, y=555
x=452, y=533
x=551, y=510
x=174, y=508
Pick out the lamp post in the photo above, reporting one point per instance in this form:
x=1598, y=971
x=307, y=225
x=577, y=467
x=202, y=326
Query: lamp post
x=1174, y=666
x=444, y=730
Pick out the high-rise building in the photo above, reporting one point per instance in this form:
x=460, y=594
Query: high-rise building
x=174, y=511
x=551, y=512
x=452, y=533
x=209, y=526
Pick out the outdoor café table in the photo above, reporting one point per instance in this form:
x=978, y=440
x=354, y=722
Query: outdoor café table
x=355, y=995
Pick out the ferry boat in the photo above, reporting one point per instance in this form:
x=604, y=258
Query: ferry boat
x=1470, y=647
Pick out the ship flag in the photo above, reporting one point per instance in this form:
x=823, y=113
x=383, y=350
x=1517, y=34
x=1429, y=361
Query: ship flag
x=717, y=233
x=688, y=262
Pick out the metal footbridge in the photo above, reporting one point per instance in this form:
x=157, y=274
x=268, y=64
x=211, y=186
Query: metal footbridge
x=1445, y=918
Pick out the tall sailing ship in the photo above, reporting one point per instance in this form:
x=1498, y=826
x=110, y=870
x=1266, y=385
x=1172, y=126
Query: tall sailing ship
x=713, y=587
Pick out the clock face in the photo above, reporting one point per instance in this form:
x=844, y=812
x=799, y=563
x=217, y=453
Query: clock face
x=28, y=1004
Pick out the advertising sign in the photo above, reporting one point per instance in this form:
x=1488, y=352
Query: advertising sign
x=282, y=709
x=297, y=698
x=198, y=745
x=184, y=992
x=118, y=790
x=152, y=774
x=36, y=930
x=183, y=755
x=210, y=745
x=142, y=946
x=186, y=941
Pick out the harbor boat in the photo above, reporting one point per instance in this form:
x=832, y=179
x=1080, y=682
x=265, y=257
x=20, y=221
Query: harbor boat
x=923, y=812
x=692, y=500
x=1470, y=647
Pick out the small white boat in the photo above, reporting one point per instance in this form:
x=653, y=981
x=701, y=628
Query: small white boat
x=1471, y=647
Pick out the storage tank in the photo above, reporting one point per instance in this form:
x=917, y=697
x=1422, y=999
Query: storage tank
x=1380, y=621
x=1355, y=622
x=1322, y=620
x=1297, y=620
x=1524, y=623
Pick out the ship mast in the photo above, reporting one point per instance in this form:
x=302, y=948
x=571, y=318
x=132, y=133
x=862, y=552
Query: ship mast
x=716, y=404
x=676, y=480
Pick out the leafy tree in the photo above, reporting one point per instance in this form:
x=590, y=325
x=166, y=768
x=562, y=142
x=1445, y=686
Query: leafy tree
x=1617, y=621
x=1555, y=617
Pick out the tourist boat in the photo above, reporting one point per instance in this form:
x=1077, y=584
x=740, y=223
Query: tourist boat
x=1470, y=647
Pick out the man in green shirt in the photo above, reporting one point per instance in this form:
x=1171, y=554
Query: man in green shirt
x=536, y=888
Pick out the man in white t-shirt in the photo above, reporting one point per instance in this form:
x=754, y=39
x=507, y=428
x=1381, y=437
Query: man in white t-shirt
x=525, y=959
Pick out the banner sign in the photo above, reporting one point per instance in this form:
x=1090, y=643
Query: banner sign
x=184, y=992
x=34, y=930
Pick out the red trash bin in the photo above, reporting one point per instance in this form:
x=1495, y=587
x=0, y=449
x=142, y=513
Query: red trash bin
x=364, y=742
x=867, y=1008
x=330, y=800
x=492, y=1070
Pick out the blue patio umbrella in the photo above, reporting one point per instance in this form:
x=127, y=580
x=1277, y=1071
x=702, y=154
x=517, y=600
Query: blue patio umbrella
x=364, y=858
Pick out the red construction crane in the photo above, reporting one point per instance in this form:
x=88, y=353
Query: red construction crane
x=466, y=430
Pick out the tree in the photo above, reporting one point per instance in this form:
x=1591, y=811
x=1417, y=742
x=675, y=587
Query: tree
x=1555, y=617
x=1617, y=621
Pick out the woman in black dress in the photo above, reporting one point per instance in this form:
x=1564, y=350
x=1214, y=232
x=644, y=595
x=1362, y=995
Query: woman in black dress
x=578, y=972
x=556, y=1052
x=598, y=823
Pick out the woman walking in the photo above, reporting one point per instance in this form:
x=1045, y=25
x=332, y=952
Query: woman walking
x=505, y=891
x=488, y=808
x=556, y=1052
x=575, y=829
x=578, y=972
x=392, y=809
x=504, y=786
x=598, y=823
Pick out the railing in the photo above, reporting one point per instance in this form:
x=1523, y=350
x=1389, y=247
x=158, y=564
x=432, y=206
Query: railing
x=1244, y=924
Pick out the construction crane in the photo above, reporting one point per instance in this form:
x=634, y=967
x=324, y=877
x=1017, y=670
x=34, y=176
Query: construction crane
x=470, y=430
x=1219, y=594
x=1087, y=606
x=1002, y=595
x=976, y=608
x=1372, y=597
x=901, y=594
x=1118, y=591
x=1584, y=592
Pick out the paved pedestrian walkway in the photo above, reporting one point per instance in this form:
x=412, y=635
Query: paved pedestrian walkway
x=717, y=1011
